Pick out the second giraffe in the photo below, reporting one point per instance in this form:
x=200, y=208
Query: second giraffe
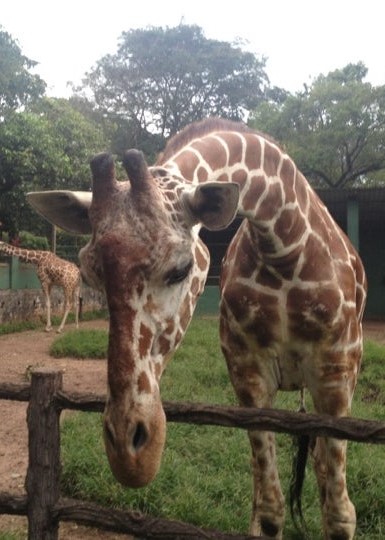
x=52, y=270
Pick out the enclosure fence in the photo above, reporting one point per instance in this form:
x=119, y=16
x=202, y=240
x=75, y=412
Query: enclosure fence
x=45, y=507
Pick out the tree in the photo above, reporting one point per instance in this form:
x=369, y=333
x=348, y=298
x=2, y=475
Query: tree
x=335, y=129
x=162, y=79
x=47, y=147
x=119, y=130
x=18, y=86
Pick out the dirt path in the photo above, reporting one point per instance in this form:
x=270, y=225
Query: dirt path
x=18, y=354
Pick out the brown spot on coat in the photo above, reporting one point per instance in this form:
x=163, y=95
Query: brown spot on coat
x=272, y=159
x=253, y=154
x=317, y=264
x=311, y=311
x=145, y=340
x=290, y=226
x=251, y=197
x=201, y=256
x=202, y=174
x=271, y=203
x=144, y=385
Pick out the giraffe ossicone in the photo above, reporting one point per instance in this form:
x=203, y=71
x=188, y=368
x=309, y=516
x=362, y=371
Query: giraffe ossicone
x=292, y=297
x=51, y=270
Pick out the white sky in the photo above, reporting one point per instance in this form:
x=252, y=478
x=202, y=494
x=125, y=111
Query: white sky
x=299, y=38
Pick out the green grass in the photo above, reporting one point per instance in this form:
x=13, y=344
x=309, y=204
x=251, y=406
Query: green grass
x=205, y=476
x=80, y=344
x=21, y=326
x=13, y=327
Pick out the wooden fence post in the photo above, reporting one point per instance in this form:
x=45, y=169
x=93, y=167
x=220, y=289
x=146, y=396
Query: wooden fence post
x=43, y=475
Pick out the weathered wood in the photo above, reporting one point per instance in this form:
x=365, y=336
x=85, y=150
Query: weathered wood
x=294, y=423
x=80, y=402
x=43, y=505
x=353, y=429
x=43, y=475
x=135, y=523
x=15, y=392
x=13, y=504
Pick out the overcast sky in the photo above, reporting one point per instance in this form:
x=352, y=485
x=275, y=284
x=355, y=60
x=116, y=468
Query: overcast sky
x=299, y=38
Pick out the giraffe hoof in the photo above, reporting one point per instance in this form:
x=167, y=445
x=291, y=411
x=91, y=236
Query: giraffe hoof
x=48, y=328
x=58, y=331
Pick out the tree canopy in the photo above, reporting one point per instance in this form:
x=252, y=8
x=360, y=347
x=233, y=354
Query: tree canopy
x=159, y=80
x=162, y=79
x=47, y=147
x=334, y=129
x=18, y=86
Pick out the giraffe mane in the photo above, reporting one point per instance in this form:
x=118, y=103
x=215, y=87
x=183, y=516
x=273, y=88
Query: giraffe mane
x=200, y=129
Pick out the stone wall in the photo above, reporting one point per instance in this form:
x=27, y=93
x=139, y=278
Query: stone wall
x=29, y=304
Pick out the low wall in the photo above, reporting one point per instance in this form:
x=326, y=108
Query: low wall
x=29, y=304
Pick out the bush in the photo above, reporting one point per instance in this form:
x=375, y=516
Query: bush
x=69, y=245
x=30, y=241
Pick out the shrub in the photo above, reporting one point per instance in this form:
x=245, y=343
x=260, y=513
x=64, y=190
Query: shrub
x=30, y=241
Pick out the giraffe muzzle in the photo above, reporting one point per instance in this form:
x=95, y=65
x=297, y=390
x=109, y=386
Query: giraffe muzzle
x=134, y=445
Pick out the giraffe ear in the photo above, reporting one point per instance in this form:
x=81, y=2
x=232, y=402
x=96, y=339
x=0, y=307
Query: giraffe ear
x=66, y=209
x=214, y=204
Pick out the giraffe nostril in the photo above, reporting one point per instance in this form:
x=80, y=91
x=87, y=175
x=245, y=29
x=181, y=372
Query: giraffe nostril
x=140, y=436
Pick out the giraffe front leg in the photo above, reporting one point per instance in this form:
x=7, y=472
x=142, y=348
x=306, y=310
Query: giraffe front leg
x=253, y=377
x=48, y=326
x=76, y=303
x=329, y=459
x=339, y=515
x=268, y=513
x=66, y=312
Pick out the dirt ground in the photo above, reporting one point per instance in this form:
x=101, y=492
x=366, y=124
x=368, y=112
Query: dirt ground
x=18, y=354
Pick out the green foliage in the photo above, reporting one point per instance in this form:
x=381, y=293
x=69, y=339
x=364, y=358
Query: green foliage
x=334, y=129
x=205, y=476
x=31, y=241
x=81, y=344
x=205, y=77
x=11, y=328
x=48, y=146
x=68, y=245
x=18, y=86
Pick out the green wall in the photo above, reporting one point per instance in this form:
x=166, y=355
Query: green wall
x=18, y=275
x=208, y=303
x=372, y=251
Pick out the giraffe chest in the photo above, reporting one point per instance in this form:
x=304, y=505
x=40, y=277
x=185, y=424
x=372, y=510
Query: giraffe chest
x=283, y=334
x=266, y=351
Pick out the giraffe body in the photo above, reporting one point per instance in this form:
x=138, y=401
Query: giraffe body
x=292, y=297
x=52, y=270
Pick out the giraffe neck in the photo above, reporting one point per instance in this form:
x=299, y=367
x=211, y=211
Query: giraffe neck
x=274, y=196
x=27, y=255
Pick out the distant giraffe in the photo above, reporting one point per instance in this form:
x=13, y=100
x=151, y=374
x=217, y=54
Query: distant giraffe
x=52, y=270
x=293, y=292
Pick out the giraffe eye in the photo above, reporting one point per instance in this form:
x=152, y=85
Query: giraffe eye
x=178, y=274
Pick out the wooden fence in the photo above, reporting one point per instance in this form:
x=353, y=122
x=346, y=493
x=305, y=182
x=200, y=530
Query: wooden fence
x=45, y=508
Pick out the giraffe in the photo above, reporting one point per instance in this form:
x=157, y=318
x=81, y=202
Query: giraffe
x=293, y=292
x=51, y=270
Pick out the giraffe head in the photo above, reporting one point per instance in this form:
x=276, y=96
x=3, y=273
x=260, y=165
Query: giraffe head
x=146, y=254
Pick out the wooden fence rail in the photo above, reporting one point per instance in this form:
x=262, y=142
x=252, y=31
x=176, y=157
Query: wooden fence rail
x=44, y=506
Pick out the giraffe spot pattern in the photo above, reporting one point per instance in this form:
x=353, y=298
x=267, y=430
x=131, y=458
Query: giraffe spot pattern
x=144, y=384
x=293, y=291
